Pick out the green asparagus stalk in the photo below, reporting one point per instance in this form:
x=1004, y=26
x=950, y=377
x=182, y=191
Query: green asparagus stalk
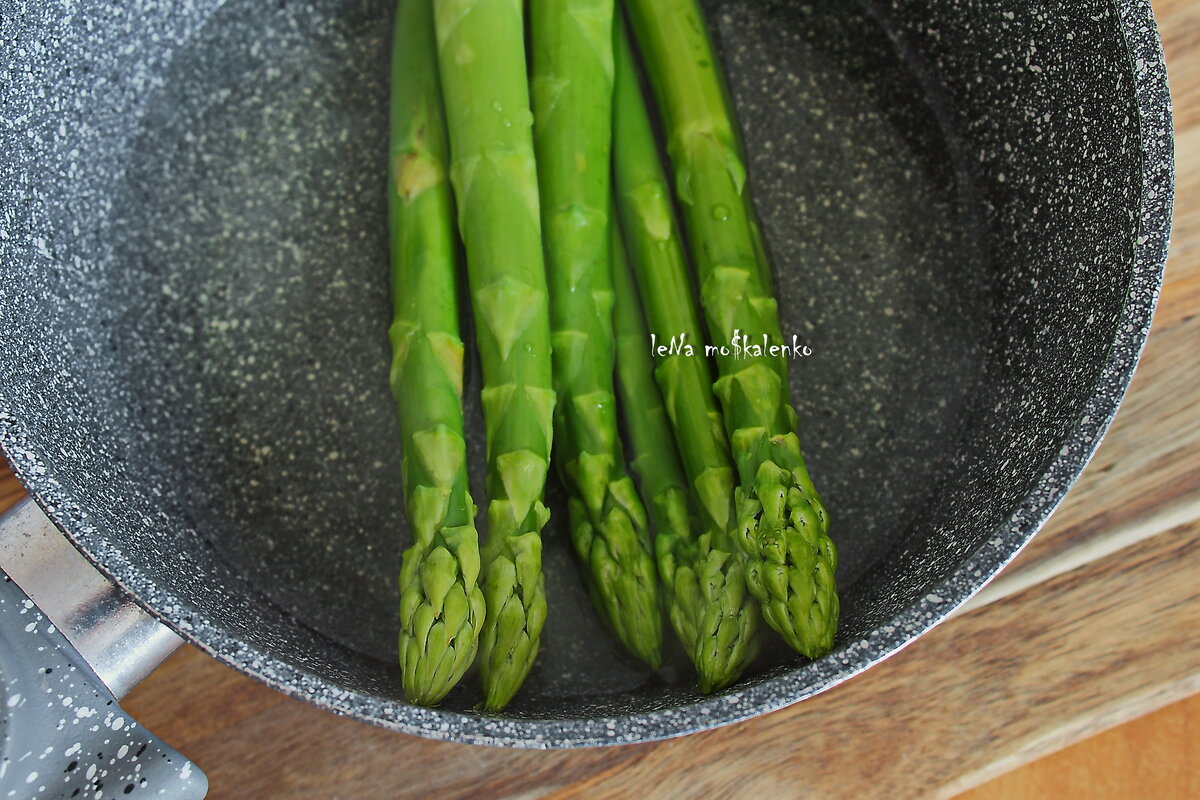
x=782, y=526
x=709, y=607
x=481, y=50
x=441, y=605
x=720, y=624
x=572, y=104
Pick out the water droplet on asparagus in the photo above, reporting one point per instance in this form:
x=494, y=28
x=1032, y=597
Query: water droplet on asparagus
x=720, y=212
x=496, y=106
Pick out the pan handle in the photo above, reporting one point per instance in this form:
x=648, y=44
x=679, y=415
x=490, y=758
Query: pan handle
x=70, y=642
x=117, y=638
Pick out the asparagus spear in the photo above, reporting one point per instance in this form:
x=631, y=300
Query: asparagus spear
x=481, y=50
x=781, y=527
x=710, y=610
x=441, y=605
x=572, y=103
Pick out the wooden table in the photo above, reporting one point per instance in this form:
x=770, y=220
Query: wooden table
x=1097, y=622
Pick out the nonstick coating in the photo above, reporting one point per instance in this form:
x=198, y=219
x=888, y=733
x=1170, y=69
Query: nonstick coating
x=967, y=206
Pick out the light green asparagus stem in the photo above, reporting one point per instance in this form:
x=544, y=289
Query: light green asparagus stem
x=654, y=455
x=656, y=254
x=481, y=49
x=781, y=526
x=572, y=104
x=712, y=613
x=710, y=609
x=441, y=605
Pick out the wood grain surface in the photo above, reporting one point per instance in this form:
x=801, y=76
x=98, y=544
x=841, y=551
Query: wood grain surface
x=1095, y=624
x=1155, y=756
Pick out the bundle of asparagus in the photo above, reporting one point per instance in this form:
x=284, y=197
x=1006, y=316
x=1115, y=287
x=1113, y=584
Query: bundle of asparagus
x=739, y=532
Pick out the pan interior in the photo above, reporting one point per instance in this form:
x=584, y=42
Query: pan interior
x=214, y=323
x=251, y=318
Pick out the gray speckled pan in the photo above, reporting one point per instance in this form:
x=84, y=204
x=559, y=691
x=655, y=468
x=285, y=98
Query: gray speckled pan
x=967, y=205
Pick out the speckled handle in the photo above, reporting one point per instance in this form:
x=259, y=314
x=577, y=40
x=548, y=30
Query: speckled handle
x=64, y=659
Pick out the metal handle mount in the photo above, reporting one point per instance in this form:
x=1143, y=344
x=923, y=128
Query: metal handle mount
x=117, y=638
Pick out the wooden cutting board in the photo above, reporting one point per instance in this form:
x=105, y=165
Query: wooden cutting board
x=1097, y=622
